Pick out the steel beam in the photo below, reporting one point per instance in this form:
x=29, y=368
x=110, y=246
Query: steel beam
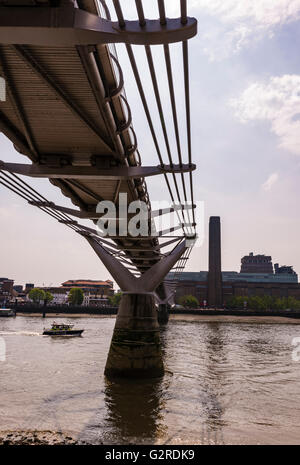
x=118, y=271
x=173, y=208
x=93, y=215
x=52, y=83
x=149, y=281
x=15, y=136
x=17, y=105
x=95, y=232
x=69, y=26
x=92, y=172
x=175, y=228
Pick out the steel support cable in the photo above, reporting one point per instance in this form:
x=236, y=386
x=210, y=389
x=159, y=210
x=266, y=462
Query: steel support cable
x=26, y=197
x=188, y=114
x=177, y=275
x=172, y=98
x=104, y=8
x=174, y=277
x=183, y=9
x=174, y=114
x=162, y=15
x=179, y=264
x=162, y=12
x=95, y=72
x=140, y=11
x=163, y=124
x=22, y=183
x=144, y=101
x=148, y=116
x=181, y=260
x=110, y=244
x=30, y=190
x=163, y=21
x=119, y=13
x=31, y=195
x=186, y=258
x=133, y=64
x=34, y=194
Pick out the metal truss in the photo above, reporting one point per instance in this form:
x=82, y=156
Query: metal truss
x=68, y=23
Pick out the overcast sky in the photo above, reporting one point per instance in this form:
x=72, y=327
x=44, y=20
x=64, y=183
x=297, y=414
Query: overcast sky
x=245, y=95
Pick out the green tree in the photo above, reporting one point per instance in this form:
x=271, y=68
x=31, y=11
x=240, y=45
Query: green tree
x=293, y=303
x=189, y=301
x=48, y=297
x=115, y=299
x=280, y=304
x=255, y=302
x=236, y=301
x=36, y=295
x=76, y=296
x=264, y=302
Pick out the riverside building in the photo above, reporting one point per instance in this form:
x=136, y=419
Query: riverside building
x=257, y=276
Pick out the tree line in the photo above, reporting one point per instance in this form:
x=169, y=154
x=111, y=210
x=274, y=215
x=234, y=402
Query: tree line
x=264, y=302
x=38, y=295
x=75, y=297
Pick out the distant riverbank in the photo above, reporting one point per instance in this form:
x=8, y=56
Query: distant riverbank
x=65, y=310
x=201, y=314
x=66, y=315
x=189, y=316
x=238, y=312
x=270, y=319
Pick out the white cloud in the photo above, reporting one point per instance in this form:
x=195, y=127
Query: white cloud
x=262, y=12
x=233, y=24
x=269, y=183
x=225, y=26
x=276, y=101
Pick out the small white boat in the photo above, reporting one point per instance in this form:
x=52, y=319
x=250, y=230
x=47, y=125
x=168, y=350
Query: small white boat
x=62, y=330
x=7, y=312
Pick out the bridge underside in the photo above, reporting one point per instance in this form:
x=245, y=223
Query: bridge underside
x=66, y=111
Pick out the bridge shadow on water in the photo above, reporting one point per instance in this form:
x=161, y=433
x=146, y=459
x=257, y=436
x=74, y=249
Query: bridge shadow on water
x=166, y=410
x=135, y=410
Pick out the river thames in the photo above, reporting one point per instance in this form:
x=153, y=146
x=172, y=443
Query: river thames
x=226, y=382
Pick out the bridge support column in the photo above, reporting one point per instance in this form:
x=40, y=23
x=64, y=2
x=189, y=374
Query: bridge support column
x=135, y=349
x=163, y=314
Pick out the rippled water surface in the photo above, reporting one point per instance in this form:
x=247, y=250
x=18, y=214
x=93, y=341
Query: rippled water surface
x=224, y=383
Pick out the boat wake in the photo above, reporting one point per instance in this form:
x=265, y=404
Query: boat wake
x=19, y=333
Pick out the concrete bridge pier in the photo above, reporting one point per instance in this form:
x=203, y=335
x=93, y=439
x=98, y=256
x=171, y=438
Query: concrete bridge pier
x=163, y=314
x=135, y=350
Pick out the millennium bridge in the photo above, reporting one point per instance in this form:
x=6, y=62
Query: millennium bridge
x=66, y=110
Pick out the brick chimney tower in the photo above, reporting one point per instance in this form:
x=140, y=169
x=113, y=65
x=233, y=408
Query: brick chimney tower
x=214, y=272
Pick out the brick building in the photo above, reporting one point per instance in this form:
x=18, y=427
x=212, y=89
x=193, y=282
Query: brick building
x=7, y=292
x=216, y=286
x=95, y=292
x=256, y=264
